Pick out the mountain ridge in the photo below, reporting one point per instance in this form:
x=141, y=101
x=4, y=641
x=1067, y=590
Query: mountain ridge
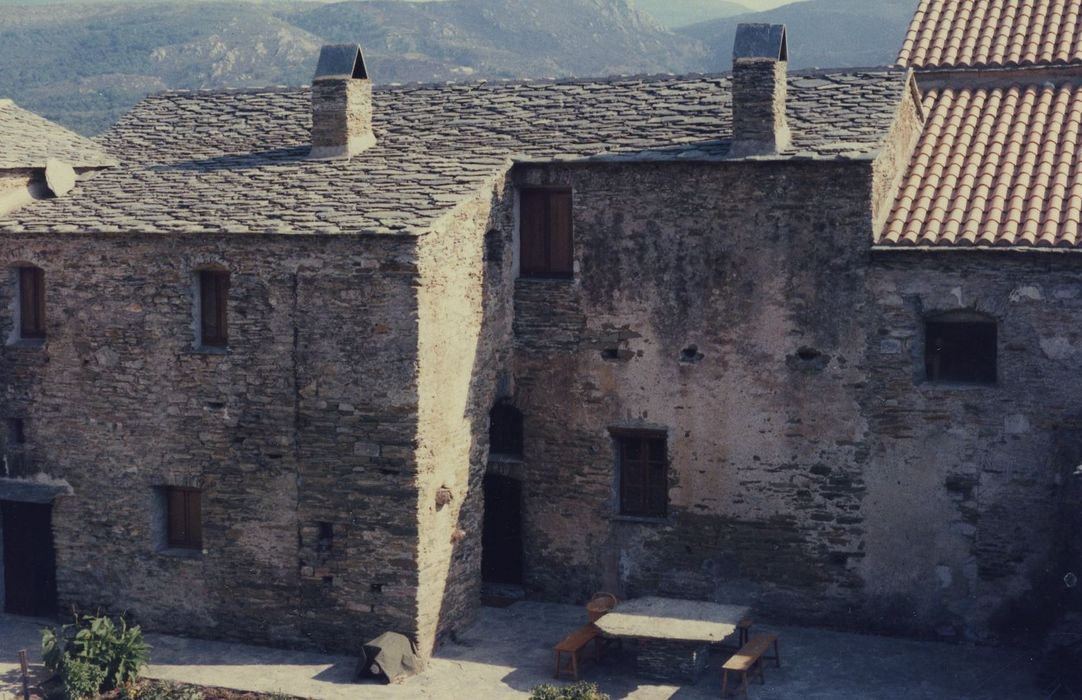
x=83, y=65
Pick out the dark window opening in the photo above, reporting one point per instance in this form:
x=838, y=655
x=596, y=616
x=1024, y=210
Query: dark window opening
x=960, y=349
x=643, y=471
x=184, y=518
x=31, y=303
x=326, y=538
x=213, y=304
x=505, y=430
x=16, y=431
x=545, y=233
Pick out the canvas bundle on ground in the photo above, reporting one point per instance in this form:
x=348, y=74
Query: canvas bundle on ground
x=391, y=657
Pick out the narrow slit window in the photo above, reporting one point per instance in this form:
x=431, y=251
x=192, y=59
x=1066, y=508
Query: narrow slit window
x=184, y=518
x=213, y=308
x=505, y=431
x=545, y=233
x=643, y=472
x=960, y=348
x=31, y=303
x=16, y=431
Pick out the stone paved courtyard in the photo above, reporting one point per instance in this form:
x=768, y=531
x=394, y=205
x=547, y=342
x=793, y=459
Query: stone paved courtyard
x=509, y=651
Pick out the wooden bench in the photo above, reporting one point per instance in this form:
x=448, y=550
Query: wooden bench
x=743, y=629
x=750, y=660
x=572, y=645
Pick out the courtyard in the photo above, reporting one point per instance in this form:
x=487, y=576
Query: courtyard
x=508, y=651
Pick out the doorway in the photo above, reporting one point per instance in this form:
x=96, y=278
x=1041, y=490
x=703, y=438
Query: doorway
x=501, y=534
x=29, y=558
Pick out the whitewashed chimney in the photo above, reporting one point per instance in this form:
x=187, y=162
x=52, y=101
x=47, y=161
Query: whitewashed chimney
x=341, y=104
x=760, y=69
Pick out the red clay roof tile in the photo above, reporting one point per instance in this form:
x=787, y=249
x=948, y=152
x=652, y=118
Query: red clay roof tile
x=994, y=166
x=983, y=33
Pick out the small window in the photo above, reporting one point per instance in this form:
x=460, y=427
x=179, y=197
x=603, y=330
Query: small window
x=643, y=471
x=960, y=347
x=184, y=519
x=545, y=233
x=213, y=305
x=505, y=431
x=16, y=432
x=31, y=303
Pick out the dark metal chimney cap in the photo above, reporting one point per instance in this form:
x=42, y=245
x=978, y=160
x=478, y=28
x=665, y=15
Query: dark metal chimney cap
x=341, y=62
x=761, y=41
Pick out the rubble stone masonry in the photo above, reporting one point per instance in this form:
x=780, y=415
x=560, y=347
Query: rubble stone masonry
x=305, y=426
x=813, y=473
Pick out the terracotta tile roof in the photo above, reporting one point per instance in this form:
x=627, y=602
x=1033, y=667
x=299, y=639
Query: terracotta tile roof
x=994, y=167
x=29, y=141
x=236, y=160
x=989, y=33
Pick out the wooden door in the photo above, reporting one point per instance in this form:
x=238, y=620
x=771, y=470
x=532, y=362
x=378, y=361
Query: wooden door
x=29, y=558
x=501, y=536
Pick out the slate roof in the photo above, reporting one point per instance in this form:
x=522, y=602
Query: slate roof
x=29, y=141
x=235, y=160
x=994, y=167
x=993, y=33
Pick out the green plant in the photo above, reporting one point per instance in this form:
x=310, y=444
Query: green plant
x=168, y=691
x=577, y=691
x=117, y=650
x=81, y=679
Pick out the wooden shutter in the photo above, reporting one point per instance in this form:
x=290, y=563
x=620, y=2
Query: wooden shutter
x=644, y=475
x=31, y=302
x=533, y=214
x=194, y=518
x=559, y=230
x=177, y=517
x=545, y=233
x=213, y=307
x=657, y=478
x=184, y=518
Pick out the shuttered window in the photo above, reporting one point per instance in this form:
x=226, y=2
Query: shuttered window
x=213, y=305
x=643, y=473
x=31, y=302
x=545, y=233
x=960, y=347
x=184, y=517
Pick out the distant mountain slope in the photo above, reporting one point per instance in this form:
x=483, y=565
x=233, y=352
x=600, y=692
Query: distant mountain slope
x=83, y=65
x=503, y=38
x=822, y=33
x=679, y=13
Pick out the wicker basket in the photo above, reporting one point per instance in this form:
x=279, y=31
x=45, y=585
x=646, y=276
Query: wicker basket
x=600, y=604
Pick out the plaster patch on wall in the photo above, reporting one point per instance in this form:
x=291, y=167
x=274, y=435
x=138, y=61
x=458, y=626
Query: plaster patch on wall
x=1023, y=294
x=1057, y=348
x=1016, y=424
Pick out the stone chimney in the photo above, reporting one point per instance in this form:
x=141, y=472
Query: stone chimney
x=760, y=61
x=341, y=104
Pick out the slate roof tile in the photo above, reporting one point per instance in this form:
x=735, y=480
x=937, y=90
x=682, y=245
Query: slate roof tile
x=993, y=33
x=995, y=166
x=29, y=141
x=236, y=160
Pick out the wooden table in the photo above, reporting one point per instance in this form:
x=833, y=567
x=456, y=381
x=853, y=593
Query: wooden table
x=674, y=635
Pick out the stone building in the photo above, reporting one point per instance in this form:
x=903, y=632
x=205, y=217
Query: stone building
x=310, y=364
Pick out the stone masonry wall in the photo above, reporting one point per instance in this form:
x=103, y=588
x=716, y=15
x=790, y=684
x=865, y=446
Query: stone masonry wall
x=713, y=301
x=465, y=309
x=964, y=481
x=303, y=429
x=813, y=474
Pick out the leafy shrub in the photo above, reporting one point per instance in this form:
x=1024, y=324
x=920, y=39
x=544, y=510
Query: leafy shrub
x=117, y=650
x=578, y=691
x=167, y=691
x=81, y=679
